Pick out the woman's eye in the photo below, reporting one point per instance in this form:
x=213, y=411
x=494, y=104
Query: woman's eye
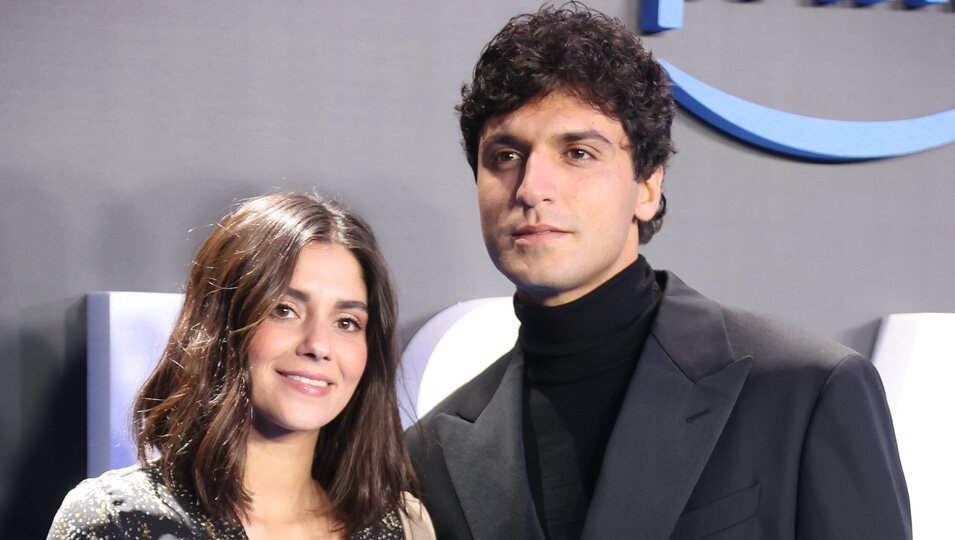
x=283, y=311
x=350, y=324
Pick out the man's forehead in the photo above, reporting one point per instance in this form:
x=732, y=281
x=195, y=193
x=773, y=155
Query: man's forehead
x=500, y=126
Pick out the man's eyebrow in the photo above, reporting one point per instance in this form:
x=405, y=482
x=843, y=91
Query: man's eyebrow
x=303, y=296
x=506, y=139
x=503, y=139
x=588, y=135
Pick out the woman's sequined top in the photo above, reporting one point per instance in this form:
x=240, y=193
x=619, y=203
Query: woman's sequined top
x=133, y=502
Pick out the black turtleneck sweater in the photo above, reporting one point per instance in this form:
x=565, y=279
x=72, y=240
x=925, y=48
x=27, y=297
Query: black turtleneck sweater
x=579, y=358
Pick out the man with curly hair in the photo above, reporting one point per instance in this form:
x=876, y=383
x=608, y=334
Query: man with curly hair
x=631, y=405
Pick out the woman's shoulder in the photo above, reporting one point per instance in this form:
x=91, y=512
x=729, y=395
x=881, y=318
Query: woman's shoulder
x=131, y=502
x=115, y=483
x=407, y=521
x=415, y=519
x=89, y=510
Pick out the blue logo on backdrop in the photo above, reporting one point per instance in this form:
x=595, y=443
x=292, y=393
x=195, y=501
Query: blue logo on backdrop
x=793, y=134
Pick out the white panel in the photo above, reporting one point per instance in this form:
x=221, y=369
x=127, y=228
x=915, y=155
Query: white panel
x=127, y=333
x=451, y=348
x=915, y=355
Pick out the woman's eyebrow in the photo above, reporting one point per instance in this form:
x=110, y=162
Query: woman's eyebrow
x=352, y=304
x=297, y=294
x=303, y=296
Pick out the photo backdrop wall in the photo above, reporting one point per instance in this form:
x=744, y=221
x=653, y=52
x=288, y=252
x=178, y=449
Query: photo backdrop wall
x=128, y=128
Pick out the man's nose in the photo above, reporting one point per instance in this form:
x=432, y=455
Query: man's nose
x=536, y=184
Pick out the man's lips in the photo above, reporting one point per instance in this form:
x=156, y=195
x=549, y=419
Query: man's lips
x=534, y=234
x=540, y=228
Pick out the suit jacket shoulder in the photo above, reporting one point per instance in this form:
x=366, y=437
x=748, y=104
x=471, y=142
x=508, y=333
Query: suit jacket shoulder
x=809, y=447
x=701, y=336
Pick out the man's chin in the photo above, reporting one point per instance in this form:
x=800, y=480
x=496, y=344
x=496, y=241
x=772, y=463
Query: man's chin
x=537, y=291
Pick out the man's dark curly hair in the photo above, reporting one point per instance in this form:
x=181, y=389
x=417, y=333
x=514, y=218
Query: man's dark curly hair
x=589, y=55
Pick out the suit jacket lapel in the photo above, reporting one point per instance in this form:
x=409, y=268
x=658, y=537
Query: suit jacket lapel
x=683, y=391
x=485, y=458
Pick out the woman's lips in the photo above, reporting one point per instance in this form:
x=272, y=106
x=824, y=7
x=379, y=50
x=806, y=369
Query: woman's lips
x=313, y=385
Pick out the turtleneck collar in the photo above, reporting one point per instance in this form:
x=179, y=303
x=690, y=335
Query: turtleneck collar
x=585, y=323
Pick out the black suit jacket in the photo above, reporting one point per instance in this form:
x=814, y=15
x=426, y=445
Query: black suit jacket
x=733, y=426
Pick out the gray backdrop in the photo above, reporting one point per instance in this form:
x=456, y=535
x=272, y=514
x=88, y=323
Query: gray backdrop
x=128, y=127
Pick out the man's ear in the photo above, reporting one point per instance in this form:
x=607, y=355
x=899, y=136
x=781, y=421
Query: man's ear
x=648, y=196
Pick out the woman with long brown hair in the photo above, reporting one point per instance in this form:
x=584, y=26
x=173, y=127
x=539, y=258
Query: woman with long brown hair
x=272, y=412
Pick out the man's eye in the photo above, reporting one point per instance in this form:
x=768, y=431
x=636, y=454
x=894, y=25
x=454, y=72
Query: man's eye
x=577, y=153
x=506, y=156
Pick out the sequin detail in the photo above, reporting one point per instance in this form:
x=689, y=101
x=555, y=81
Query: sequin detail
x=134, y=503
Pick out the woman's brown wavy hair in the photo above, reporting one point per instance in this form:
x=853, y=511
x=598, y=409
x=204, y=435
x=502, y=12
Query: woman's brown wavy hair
x=194, y=413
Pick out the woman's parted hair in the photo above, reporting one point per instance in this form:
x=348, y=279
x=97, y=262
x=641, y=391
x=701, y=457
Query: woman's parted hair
x=194, y=413
x=586, y=54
